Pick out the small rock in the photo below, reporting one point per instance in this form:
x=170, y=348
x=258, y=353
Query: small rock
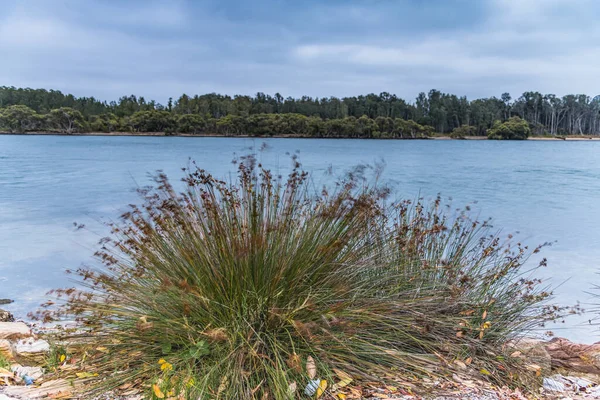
x=573, y=356
x=31, y=351
x=6, y=350
x=5, y=397
x=5, y=316
x=14, y=330
x=533, y=351
x=6, y=301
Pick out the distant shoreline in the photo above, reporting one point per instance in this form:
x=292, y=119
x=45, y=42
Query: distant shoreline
x=163, y=134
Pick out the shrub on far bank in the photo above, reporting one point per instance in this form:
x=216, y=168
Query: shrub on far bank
x=514, y=128
x=463, y=131
x=252, y=288
x=19, y=119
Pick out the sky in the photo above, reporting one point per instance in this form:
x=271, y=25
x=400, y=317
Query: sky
x=161, y=49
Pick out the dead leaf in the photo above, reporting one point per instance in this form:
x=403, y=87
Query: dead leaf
x=294, y=362
x=311, y=367
x=345, y=379
x=223, y=385
x=217, y=334
x=292, y=387
x=341, y=374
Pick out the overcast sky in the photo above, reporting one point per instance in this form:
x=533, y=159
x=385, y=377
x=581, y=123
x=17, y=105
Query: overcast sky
x=477, y=48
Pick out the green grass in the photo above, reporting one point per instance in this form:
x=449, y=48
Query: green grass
x=227, y=290
x=4, y=362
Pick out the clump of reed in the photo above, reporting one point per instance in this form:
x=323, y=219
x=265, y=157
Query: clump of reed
x=253, y=288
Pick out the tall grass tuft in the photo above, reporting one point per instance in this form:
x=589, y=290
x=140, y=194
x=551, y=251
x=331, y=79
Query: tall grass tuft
x=232, y=290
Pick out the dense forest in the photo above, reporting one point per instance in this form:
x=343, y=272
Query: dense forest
x=370, y=116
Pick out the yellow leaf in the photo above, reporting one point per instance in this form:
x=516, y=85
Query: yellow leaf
x=83, y=375
x=345, y=379
x=321, y=388
x=311, y=367
x=485, y=372
x=341, y=396
x=157, y=392
x=62, y=357
x=171, y=393
x=341, y=374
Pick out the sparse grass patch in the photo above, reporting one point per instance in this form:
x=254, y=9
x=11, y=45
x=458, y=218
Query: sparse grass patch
x=56, y=357
x=4, y=363
x=248, y=289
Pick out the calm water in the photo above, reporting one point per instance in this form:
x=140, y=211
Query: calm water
x=548, y=191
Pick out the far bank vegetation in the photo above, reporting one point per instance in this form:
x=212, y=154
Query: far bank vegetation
x=371, y=116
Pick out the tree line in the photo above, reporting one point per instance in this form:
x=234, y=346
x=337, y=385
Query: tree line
x=383, y=115
x=20, y=118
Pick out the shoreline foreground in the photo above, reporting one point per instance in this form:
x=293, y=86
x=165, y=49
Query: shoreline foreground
x=565, y=370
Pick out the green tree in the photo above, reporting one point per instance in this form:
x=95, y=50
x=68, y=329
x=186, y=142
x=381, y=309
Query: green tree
x=513, y=129
x=232, y=125
x=19, y=119
x=152, y=121
x=67, y=120
x=107, y=122
x=463, y=131
x=191, y=123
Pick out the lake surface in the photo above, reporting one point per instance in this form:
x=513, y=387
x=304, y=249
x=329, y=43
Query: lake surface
x=547, y=191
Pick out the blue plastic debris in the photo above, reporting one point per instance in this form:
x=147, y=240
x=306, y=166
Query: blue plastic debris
x=28, y=380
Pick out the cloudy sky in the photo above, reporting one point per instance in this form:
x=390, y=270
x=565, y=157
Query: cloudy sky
x=477, y=48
